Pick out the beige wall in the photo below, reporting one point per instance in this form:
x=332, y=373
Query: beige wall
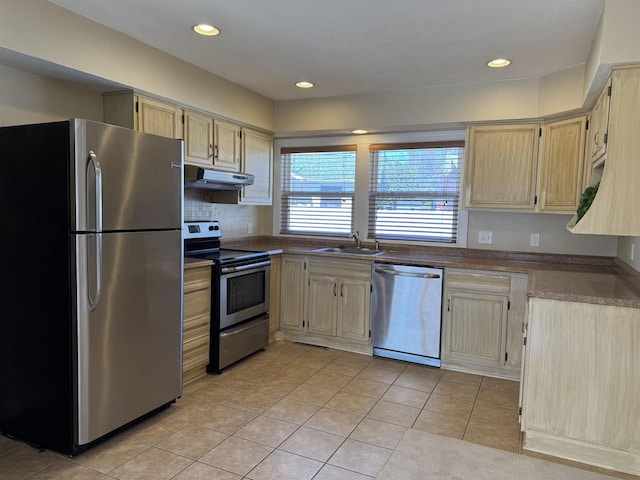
x=625, y=244
x=512, y=232
x=39, y=29
x=28, y=98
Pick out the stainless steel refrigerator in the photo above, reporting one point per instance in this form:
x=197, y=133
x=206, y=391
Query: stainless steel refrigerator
x=92, y=269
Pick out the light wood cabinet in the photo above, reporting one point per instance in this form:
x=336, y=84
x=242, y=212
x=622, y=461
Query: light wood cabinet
x=274, y=294
x=196, y=325
x=326, y=302
x=257, y=159
x=615, y=166
x=292, y=288
x=580, y=383
x=354, y=309
x=562, y=165
x=143, y=114
x=339, y=297
x=501, y=166
x=323, y=304
x=599, y=124
x=210, y=142
x=198, y=139
x=226, y=150
x=482, y=327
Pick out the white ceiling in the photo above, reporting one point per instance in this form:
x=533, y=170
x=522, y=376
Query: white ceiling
x=351, y=47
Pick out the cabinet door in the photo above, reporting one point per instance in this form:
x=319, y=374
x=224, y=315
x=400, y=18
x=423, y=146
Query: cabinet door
x=501, y=166
x=477, y=326
x=562, y=165
x=198, y=139
x=323, y=303
x=257, y=159
x=158, y=118
x=292, y=278
x=353, y=309
x=226, y=155
x=274, y=293
x=599, y=124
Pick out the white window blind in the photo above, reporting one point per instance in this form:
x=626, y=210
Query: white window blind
x=414, y=191
x=317, y=190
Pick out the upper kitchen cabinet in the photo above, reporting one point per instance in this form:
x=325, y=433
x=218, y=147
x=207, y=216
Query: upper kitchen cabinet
x=143, y=114
x=198, y=139
x=501, y=163
x=212, y=143
x=257, y=159
x=226, y=149
x=562, y=165
x=599, y=128
x=614, y=208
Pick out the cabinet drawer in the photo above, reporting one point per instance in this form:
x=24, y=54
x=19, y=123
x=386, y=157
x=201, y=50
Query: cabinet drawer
x=478, y=281
x=197, y=304
x=195, y=348
x=196, y=327
x=197, y=279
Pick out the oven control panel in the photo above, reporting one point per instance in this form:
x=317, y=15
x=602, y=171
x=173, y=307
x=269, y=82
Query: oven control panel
x=201, y=229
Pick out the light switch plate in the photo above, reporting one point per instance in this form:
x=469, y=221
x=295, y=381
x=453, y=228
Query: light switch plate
x=485, y=237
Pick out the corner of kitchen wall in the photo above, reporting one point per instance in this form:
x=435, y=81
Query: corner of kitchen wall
x=628, y=247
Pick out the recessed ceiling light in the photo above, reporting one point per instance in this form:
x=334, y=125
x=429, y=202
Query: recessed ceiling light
x=206, y=29
x=304, y=84
x=359, y=131
x=499, y=62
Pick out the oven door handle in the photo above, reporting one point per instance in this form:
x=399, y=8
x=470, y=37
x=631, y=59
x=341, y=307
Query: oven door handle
x=245, y=267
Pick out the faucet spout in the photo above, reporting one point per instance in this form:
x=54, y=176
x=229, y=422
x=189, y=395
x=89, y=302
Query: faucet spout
x=357, y=238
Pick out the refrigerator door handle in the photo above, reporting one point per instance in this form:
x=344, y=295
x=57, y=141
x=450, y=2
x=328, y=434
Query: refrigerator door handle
x=97, y=170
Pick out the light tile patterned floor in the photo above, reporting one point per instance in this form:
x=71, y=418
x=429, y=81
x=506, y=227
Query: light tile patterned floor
x=291, y=412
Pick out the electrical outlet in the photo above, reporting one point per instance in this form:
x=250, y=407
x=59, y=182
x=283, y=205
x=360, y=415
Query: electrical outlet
x=535, y=240
x=485, y=237
x=249, y=228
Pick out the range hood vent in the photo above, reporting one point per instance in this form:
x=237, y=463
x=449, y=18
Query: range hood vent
x=197, y=177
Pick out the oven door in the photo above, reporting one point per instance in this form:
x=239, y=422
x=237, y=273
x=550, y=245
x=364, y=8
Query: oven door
x=244, y=292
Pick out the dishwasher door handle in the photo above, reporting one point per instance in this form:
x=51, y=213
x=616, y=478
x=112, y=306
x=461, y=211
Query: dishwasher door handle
x=386, y=271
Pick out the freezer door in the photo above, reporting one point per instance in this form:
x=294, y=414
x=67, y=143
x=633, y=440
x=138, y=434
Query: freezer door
x=124, y=180
x=128, y=328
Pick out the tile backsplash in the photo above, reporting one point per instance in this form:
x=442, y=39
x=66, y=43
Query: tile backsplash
x=234, y=219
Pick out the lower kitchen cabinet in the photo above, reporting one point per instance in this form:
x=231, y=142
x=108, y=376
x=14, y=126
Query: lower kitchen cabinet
x=274, y=295
x=292, y=282
x=580, y=386
x=483, y=315
x=327, y=303
x=197, y=319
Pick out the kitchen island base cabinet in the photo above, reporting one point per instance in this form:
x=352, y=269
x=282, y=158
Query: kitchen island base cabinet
x=195, y=332
x=581, y=388
x=483, y=317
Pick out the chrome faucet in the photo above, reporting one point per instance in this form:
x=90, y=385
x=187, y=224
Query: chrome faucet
x=356, y=237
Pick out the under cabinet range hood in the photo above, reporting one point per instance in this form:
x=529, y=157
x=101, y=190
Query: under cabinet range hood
x=198, y=177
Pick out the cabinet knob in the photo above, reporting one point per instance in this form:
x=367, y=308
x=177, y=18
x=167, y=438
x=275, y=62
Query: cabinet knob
x=210, y=150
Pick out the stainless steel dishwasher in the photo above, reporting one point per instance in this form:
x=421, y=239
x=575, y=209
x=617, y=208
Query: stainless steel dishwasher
x=406, y=311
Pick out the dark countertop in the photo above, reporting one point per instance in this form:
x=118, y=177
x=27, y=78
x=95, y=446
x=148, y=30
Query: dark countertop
x=574, y=278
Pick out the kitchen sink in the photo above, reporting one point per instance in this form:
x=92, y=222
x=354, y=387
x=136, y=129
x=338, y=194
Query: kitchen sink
x=350, y=250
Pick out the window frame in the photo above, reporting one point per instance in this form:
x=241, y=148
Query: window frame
x=458, y=232
x=286, y=195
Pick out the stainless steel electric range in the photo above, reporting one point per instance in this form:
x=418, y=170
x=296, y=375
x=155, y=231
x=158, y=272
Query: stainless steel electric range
x=239, y=294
